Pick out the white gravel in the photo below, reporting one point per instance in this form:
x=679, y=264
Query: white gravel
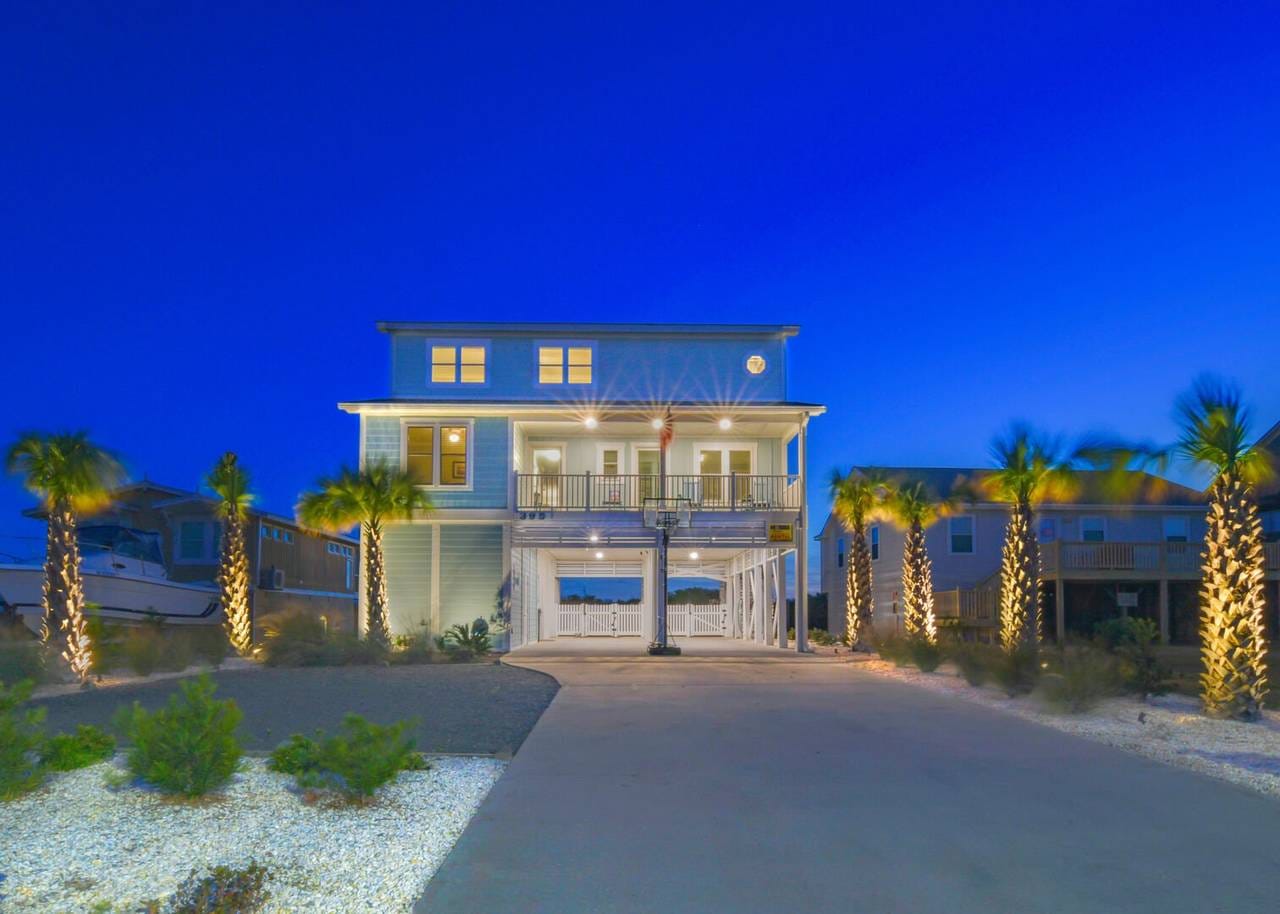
x=76, y=843
x=1169, y=728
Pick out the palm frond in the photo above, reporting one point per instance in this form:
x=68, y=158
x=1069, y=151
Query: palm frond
x=65, y=467
x=1216, y=432
x=229, y=480
x=377, y=493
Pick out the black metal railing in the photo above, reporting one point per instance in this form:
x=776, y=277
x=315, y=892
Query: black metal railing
x=600, y=492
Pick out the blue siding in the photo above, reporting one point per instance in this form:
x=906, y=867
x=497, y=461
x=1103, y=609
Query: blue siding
x=408, y=559
x=470, y=572
x=648, y=369
x=491, y=455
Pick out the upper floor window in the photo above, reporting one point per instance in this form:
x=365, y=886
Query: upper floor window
x=565, y=364
x=198, y=541
x=1048, y=530
x=874, y=535
x=960, y=530
x=1271, y=526
x=840, y=553
x=1093, y=529
x=453, y=363
x=1176, y=530
x=438, y=453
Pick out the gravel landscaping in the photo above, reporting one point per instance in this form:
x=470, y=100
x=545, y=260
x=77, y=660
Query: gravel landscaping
x=482, y=708
x=78, y=845
x=1169, y=728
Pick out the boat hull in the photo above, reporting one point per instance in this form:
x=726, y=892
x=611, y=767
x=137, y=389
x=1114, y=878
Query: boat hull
x=119, y=597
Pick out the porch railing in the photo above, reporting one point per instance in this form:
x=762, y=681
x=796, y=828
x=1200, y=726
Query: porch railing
x=1152, y=558
x=975, y=606
x=597, y=492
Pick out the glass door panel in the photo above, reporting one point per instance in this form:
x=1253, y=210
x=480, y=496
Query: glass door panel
x=710, y=470
x=548, y=464
x=647, y=468
x=740, y=465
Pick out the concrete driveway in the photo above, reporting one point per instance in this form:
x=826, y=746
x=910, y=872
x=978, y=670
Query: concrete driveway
x=813, y=786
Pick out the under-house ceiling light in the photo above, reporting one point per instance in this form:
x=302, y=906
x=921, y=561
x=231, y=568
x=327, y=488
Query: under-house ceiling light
x=693, y=556
x=595, y=537
x=599, y=555
x=725, y=424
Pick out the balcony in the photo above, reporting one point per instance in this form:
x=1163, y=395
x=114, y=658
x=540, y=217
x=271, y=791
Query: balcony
x=1144, y=560
x=595, y=492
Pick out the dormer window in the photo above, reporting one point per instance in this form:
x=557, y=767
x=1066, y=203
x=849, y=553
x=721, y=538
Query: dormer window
x=566, y=364
x=454, y=363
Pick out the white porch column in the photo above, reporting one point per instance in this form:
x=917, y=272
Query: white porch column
x=648, y=602
x=758, y=616
x=766, y=593
x=802, y=540
x=731, y=597
x=780, y=596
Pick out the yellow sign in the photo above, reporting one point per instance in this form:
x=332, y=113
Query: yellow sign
x=782, y=533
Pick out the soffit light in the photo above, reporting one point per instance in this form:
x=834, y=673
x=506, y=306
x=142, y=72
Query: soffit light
x=590, y=422
x=725, y=424
x=693, y=555
x=595, y=537
x=657, y=424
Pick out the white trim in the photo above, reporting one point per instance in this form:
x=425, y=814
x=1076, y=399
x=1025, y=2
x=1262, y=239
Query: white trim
x=557, y=410
x=973, y=534
x=436, y=423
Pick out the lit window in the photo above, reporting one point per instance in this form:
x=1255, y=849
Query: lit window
x=1093, y=529
x=874, y=534
x=420, y=461
x=961, y=530
x=565, y=364
x=437, y=454
x=609, y=462
x=1176, y=530
x=451, y=364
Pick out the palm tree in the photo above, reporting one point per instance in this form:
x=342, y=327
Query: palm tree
x=1215, y=432
x=370, y=497
x=230, y=482
x=1030, y=469
x=914, y=508
x=856, y=499
x=71, y=475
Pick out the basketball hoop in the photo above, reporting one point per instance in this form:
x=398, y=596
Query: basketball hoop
x=667, y=513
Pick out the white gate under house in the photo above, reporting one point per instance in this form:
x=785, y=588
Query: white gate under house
x=610, y=620
x=693, y=620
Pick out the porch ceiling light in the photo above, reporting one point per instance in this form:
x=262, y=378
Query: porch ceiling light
x=454, y=437
x=599, y=555
x=590, y=422
x=595, y=537
x=725, y=424
x=693, y=556
x=657, y=424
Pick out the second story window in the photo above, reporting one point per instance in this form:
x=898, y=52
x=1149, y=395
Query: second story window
x=1176, y=530
x=840, y=553
x=453, y=364
x=565, y=364
x=960, y=530
x=438, y=454
x=1093, y=529
x=874, y=536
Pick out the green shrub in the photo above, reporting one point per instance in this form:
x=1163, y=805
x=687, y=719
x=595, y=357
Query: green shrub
x=1134, y=641
x=297, y=639
x=895, y=649
x=974, y=662
x=355, y=762
x=464, y=641
x=1016, y=672
x=69, y=751
x=1080, y=678
x=924, y=654
x=21, y=736
x=189, y=747
x=23, y=660
x=223, y=890
x=142, y=648
x=209, y=644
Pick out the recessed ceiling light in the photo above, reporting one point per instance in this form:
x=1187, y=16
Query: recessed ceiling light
x=590, y=422
x=693, y=555
x=595, y=537
x=657, y=423
x=725, y=424
x=599, y=555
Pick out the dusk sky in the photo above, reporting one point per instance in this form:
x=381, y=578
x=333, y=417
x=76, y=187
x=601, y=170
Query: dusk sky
x=1058, y=212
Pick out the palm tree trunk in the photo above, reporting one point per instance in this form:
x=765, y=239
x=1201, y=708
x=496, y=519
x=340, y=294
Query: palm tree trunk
x=375, y=583
x=64, y=622
x=1020, y=582
x=1233, y=641
x=859, y=602
x=233, y=584
x=917, y=588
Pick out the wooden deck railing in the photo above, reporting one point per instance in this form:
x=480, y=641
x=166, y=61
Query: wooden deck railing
x=596, y=492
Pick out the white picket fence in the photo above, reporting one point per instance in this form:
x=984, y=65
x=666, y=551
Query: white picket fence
x=618, y=620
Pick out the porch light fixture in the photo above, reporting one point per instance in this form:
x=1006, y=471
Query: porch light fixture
x=590, y=422
x=599, y=555
x=595, y=537
x=657, y=424
x=693, y=556
x=725, y=424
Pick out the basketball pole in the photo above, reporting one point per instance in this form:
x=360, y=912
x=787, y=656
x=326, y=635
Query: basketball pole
x=660, y=645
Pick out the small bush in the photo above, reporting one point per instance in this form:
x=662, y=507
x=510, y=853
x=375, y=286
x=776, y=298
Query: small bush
x=69, y=751
x=142, y=648
x=895, y=649
x=21, y=735
x=297, y=639
x=209, y=644
x=973, y=661
x=355, y=762
x=1134, y=641
x=924, y=654
x=22, y=660
x=1016, y=672
x=223, y=890
x=1081, y=678
x=465, y=641
x=189, y=747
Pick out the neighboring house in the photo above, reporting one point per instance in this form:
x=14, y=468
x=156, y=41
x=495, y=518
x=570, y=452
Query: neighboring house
x=539, y=445
x=1100, y=557
x=291, y=570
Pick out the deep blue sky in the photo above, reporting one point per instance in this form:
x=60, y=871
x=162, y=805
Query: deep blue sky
x=1058, y=212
